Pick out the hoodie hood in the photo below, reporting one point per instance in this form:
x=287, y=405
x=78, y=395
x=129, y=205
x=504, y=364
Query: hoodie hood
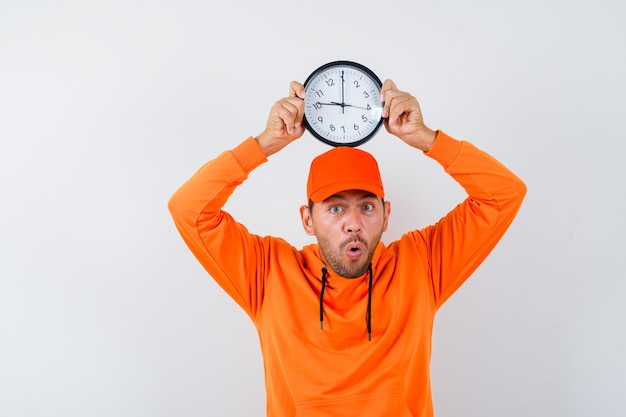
x=313, y=262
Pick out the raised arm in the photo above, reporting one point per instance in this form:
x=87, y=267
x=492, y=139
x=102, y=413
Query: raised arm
x=233, y=256
x=460, y=241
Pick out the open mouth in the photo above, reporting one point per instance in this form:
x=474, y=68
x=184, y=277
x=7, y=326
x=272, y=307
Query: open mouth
x=354, y=249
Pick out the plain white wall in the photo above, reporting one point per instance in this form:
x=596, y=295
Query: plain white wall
x=106, y=107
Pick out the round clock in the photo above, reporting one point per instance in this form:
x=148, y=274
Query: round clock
x=342, y=104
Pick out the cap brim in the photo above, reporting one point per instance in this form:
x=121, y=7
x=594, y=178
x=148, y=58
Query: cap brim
x=335, y=188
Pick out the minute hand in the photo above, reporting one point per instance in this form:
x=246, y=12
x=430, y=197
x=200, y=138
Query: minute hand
x=346, y=105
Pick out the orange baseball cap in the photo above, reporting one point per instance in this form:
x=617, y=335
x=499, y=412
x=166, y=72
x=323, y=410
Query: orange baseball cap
x=340, y=169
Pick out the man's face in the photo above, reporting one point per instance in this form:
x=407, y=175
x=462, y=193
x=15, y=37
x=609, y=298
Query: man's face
x=348, y=227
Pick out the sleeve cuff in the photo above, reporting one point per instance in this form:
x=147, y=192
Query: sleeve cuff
x=445, y=149
x=249, y=154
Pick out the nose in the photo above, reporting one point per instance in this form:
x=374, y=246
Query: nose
x=353, y=222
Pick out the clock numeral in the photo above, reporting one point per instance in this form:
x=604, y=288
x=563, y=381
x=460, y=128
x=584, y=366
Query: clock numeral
x=333, y=128
x=356, y=127
x=320, y=119
x=319, y=93
x=330, y=82
x=356, y=84
x=369, y=107
x=363, y=118
x=317, y=105
x=366, y=94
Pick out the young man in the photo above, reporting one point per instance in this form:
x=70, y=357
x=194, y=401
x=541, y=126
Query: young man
x=345, y=325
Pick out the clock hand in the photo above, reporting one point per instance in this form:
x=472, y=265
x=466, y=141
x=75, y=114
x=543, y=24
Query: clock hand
x=343, y=105
x=346, y=105
x=343, y=102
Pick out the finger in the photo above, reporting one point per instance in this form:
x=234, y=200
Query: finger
x=387, y=85
x=296, y=90
x=399, y=105
x=392, y=98
x=296, y=106
x=388, y=91
x=290, y=115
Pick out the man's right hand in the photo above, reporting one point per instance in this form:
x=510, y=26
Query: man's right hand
x=284, y=124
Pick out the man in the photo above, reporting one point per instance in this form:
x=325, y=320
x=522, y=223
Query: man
x=345, y=325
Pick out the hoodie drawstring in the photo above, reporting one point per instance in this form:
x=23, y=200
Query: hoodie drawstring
x=368, y=314
x=324, y=271
x=369, y=306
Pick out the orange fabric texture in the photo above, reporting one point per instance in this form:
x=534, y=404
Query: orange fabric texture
x=340, y=169
x=335, y=371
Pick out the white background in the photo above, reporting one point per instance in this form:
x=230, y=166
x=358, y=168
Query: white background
x=106, y=107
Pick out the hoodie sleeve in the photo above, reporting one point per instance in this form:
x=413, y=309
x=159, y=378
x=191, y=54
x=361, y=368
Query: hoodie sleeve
x=460, y=241
x=223, y=246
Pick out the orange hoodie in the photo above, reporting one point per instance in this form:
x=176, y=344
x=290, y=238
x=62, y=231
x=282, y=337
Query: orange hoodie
x=336, y=371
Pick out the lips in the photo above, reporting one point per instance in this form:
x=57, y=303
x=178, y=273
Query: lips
x=354, y=249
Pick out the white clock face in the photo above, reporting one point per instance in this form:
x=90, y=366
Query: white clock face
x=342, y=105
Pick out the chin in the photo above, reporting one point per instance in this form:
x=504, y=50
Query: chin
x=355, y=271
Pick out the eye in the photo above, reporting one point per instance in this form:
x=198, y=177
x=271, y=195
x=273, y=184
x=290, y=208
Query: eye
x=335, y=209
x=368, y=207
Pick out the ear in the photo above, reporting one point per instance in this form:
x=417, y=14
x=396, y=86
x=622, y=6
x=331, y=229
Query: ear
x=386, y=214
x=307, y=220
